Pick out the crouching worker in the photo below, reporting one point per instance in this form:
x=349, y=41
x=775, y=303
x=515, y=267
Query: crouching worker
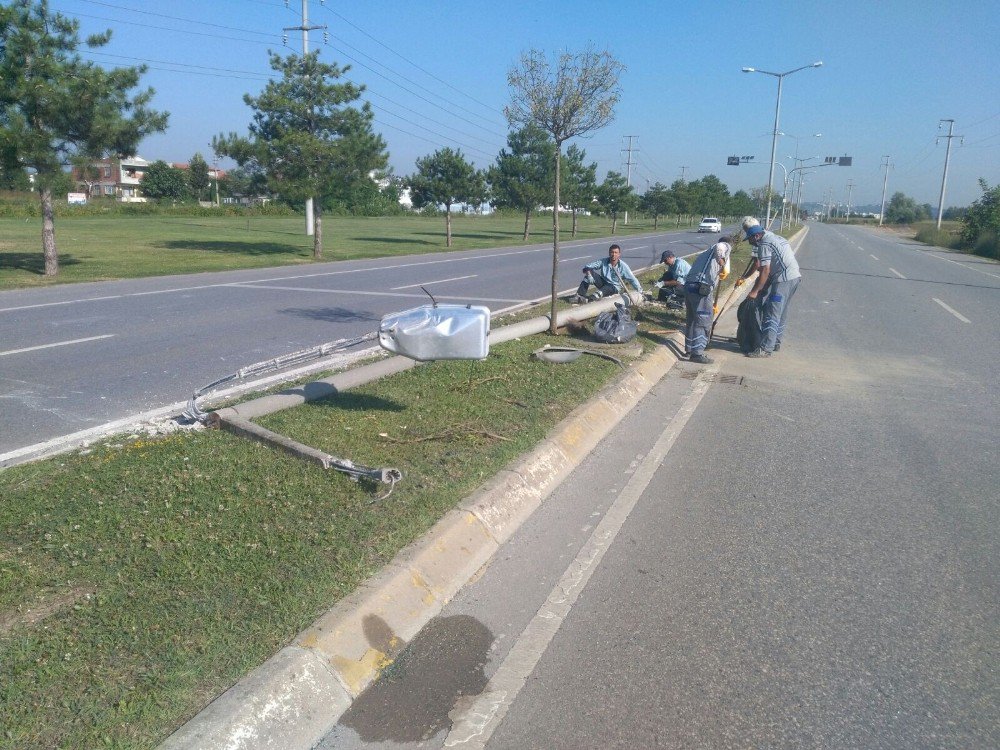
x=699, y=298
x=608, y=277
x=671, y=283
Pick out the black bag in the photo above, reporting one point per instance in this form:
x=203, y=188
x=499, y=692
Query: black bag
x=615, y=326
x=748, y=334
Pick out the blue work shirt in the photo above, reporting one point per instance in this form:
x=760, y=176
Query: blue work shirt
x=612, y=273
x=773, y=250
x=677, y=272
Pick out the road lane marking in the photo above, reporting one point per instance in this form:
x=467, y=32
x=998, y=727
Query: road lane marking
x=358, y=293
x=897, y=273
x=873, y=256
x=476, y=718
x=58, y=343
x=953, y=311
x=439, y=281
x=581, y=243
x=949, y=260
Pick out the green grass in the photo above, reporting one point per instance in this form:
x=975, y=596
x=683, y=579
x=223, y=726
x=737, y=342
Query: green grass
x=119, y=247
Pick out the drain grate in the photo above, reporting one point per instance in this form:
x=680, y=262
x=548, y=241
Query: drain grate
x=715, y=377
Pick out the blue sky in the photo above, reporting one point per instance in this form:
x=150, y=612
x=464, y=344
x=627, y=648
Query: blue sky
x=436, y=74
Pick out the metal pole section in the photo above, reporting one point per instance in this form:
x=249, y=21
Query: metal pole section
x=885, y=183
x=944, y=179
x=628, y=168
x=774, y=144
x=850, y=187
x=310, y=221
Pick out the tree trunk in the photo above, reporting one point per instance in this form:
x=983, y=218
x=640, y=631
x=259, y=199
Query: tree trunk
x=656, y=221
x=317, y=231
x=555, y=244
x=49, y=234
x=447, y=223
x=527, y=224
x=614, y=223
x=574, y=221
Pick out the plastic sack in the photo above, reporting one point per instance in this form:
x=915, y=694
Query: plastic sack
x=748, y=333
x=615, y=326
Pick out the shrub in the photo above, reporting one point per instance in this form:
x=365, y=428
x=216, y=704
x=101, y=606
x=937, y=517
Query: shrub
x=987, y=245
x=938, y=237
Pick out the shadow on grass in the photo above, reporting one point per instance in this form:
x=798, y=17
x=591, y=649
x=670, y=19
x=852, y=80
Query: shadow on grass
x=241, y=248
x=391, y=240
x=348, y=401
x=32, y=262
x=329, y=314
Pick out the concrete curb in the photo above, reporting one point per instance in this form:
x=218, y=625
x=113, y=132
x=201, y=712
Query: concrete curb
x=297, y=696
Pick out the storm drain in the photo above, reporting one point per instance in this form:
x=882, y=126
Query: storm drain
x=715, y=377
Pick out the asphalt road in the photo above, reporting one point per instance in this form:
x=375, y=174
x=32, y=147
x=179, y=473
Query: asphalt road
x=78, y=356
x=791, y=552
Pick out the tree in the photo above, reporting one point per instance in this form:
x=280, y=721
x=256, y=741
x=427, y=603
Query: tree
x=579, y=182
x=573, y=96
x=742, y=204
x=57, y=108
x=682, y=197
x=522, y=179
x=983, y=216
x=445, y=178
x=656, y=202
x=162, y=181
x=304, y=137
x=615, y=196
x=197, y=176
x=903, y=210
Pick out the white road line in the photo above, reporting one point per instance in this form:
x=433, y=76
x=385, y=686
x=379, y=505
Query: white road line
x=949, y=260
x=581, y=243
x=58, y=343
x=475, y=722
x=876, y=258
x=439, y=281
x=358, y=293
x=897, y=273
x=953, y=311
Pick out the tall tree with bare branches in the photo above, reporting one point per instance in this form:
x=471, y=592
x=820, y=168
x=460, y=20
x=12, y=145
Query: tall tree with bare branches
x=572, y=95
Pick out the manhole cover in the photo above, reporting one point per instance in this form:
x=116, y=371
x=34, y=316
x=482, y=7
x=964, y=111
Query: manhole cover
x=715, y=377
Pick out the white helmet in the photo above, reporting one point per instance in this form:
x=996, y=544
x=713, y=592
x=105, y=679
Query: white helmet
x=749, y=221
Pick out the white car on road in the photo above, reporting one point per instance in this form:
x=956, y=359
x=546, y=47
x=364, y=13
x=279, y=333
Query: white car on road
x=710, y=224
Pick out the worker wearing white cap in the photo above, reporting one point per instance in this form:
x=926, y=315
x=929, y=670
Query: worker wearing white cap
x=775, y=286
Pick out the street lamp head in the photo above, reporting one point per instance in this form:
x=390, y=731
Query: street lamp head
x=818, y=64
x=749, y=70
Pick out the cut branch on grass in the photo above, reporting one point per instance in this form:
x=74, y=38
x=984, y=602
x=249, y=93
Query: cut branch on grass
x=449, y=434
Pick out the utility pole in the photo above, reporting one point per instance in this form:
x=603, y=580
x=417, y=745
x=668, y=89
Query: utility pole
x=682, y=173
x=628, y=167
x=947, y=158
x=850, y=187
x=885, y=183
x=305, y=28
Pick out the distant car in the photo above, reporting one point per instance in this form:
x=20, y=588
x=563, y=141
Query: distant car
x=710, y=224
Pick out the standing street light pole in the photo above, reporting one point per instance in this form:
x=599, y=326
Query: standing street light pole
x=774, y=135
x=885, y=184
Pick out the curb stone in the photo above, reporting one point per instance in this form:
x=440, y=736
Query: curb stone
x=295, y=698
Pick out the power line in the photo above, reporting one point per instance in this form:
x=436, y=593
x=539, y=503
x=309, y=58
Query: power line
x=176, y=18
x=414, y=83
x=178, y=31
x=414, y=93
x=406, y=59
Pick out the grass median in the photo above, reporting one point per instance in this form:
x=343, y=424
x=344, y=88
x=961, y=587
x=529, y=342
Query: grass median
x=143, y=577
